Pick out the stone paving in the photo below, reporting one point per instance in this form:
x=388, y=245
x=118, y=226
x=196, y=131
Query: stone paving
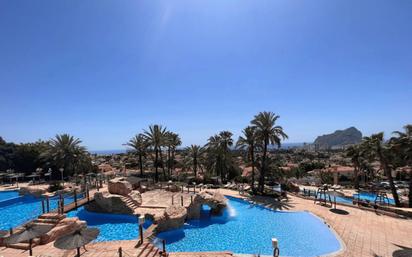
x=363, y=233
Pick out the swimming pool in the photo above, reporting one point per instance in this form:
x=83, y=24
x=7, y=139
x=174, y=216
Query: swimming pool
x=25, y=208
x=365, y=196
x=111, y=226
x=6, y=195
x=244, y=228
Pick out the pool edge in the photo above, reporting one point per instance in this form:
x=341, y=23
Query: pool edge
x=335, y=253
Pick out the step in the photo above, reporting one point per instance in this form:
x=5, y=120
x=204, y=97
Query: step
x=149, y=250
x=47, y=221
x=53, y=216
x=141, y=249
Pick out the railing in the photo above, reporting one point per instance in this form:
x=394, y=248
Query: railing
x=57, y=203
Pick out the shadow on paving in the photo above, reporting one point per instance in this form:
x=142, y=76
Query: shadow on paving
x=403, y=252
x=272, y=203
x=339, y=211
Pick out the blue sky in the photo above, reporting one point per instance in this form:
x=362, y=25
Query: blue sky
x=104, y=70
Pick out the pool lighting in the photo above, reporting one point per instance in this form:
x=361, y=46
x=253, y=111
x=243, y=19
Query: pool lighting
x=275, y=246
x=141, y=222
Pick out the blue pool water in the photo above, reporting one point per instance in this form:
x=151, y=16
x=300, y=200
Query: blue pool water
x=111, y=226
x=371, y=197
x=23, y=209
x=248, y=229
x=5, y=195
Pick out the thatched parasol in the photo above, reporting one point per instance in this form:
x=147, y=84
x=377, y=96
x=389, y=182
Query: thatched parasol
x=30, y=231
x=77, y=239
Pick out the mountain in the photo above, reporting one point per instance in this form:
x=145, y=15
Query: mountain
x=339, y=139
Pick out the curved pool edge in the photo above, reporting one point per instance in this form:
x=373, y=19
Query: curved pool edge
x=337, y=236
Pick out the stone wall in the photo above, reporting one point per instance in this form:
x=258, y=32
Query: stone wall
x=173, y=217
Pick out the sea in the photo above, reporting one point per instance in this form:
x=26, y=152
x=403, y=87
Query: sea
x=120, y=151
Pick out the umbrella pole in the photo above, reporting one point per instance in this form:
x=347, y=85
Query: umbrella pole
x=78, y=251
x=30, y=248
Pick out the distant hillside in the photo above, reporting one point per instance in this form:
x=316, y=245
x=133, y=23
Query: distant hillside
x=339, y=138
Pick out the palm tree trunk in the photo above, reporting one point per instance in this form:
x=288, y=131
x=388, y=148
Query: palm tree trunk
x=356, y=180
x=168, y=160
x=141, y=164
x=252, y=157
x=410, y=189
x=263, y=168
x=195, y=166
x=163, y=165
x=388, y=173
x=172, y=166
x=156, y=165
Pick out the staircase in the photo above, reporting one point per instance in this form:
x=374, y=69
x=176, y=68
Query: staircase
x=130, y=203
x=45, y=219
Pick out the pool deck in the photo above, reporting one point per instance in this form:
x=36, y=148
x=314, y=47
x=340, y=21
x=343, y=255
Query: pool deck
x=363, y=233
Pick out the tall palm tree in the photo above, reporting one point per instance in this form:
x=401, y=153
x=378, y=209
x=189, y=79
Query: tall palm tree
x=402, y=145
x=219, y=152
x=155, y=137
x=377, y=148
x=65, y=151
x=194, y=152
x=268, y=133
x=172, y=141
x=354, y=152
x=139, y=145
x=248, y=143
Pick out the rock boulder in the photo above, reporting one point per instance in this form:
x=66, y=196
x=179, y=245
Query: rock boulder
x=173, y=217
x=120, y=186
x=136, y=197
x=215, y=200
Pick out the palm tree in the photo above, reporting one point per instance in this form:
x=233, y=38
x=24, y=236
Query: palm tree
x=155, y=137
x=139, y=145
x=376, y=148
x=194, y=152
x=65, y=152
x=402, y=145
x=219, y=152
x=172, y=141
x=248, y=143
x=268, y=133
x=354, y=152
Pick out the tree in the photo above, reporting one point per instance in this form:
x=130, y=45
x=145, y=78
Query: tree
x=248, y=143
x=268, y=133
x=219, y=155
x=354, y=152
x=376, y=148
x=402, y=145
x=172, y=142
x=194, y=152
x=65, y=152
x=155, y=137
x=139, y=145
x=7, y=154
